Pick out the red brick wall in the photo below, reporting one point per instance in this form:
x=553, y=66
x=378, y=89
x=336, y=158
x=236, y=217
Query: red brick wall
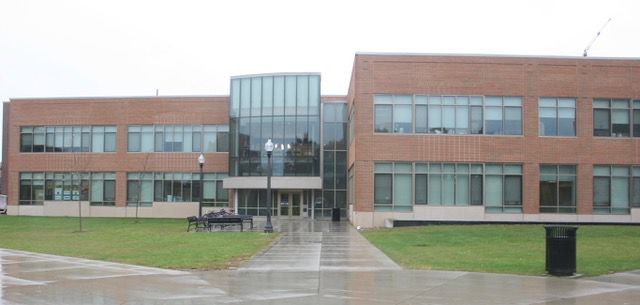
x=531, y=78
x=108, y=111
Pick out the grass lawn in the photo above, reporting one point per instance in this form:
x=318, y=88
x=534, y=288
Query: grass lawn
x=150, y=242
x=518, y=249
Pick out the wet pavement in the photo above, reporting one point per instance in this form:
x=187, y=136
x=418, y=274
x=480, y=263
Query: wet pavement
x=313, y=263
x=320, y=246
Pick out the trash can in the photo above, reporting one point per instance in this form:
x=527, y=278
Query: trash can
x=561, y=250
x=335, y=214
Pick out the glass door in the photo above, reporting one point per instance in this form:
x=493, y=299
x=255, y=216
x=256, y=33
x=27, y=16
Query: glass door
x=290, y=203
x=284, y=204
x=296, y=203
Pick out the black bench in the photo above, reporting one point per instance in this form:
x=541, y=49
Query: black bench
x=247, y=218
x=198, y=224
x=223, y=221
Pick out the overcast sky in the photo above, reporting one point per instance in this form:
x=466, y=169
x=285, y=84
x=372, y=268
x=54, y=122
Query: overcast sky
x=123, y=48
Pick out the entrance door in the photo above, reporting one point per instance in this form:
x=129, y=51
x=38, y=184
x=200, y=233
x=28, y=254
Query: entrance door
x=290, y=203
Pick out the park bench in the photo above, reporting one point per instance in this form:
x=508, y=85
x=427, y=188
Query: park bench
x=223, y=213
x=198, y=224
x=226, y=220
x=221, y=218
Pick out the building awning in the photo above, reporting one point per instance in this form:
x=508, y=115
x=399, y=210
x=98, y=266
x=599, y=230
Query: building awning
x=276, y=182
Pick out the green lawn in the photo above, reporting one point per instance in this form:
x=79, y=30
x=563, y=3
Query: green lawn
x=518, y=249
x=149, y=242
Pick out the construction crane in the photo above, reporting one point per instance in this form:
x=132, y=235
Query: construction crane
x=584, y=54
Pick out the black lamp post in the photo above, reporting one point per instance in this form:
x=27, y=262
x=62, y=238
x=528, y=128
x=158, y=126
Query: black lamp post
x=268, y=228
x=201, y=162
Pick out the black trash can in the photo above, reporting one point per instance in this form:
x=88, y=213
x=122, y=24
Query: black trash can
x=335, y=214
x=561, y=250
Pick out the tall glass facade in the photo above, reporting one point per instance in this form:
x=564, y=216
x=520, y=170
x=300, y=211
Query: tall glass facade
x=334, y=149
x=283, y=107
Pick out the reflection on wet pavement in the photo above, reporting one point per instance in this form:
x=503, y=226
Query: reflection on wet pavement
x=308, y=245
x=334, y=270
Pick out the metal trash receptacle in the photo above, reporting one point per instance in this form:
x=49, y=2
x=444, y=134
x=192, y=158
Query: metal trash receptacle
x=560, y=250
x=335, y=214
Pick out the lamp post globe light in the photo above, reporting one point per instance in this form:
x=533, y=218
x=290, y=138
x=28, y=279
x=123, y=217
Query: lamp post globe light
x=268, y=147
x=201, y=162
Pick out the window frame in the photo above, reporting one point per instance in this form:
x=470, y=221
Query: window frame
x=440, y=102
x=557, y=207
x=609, y=209
x=66, y=138
x=177, y=181
x=78, y=185
x=438, y=170
x=633, y=105
x=187, y=133
x=557, y=109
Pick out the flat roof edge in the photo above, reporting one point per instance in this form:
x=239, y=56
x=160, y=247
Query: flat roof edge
x=492, y=55
x=116, y=97
x=275, y=74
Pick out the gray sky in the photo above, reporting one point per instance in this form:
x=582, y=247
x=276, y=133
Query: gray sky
x=116, y=48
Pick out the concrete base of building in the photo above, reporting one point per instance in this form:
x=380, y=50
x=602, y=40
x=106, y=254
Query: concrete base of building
x=70, y=209
x=478, y=214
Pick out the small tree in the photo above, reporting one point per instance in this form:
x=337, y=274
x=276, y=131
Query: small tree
x=144, y=169
x=80, y=163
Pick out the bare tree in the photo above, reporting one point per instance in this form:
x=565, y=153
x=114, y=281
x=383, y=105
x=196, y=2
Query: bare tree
x=80, y=163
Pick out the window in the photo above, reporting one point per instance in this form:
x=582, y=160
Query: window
x=448, y=184
x=635, y=187
x=178, y=138
x=176, y=187
x=448, y=114
x=615, y=189
x=503, y=188
x=503, y=115
x=636, y=118
x=67, y=139
x=134, y=138
x=383, y=118
x=557, y=116
x=557, y=189
x=394, y=113
x=442, y=184
x=103, y=189
x=98, y=188
x=383, y=190
x=616, y=118
x=140, y=189
x=335, y=157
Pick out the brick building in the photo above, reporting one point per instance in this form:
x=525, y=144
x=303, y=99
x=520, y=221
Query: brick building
x=417, y=137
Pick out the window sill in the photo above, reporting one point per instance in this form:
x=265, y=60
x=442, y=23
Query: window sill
x=177, y=152
x=444, y=134
x=615, y=138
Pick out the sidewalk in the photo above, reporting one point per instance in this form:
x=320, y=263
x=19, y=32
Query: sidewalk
x=316, y=262
x=308, y=245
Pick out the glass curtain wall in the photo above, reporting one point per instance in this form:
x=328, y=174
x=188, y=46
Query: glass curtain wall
x=334, y=169
x=283, y=107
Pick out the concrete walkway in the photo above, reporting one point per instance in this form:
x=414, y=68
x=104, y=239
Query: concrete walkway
x=344, y=270
x=308, y=245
